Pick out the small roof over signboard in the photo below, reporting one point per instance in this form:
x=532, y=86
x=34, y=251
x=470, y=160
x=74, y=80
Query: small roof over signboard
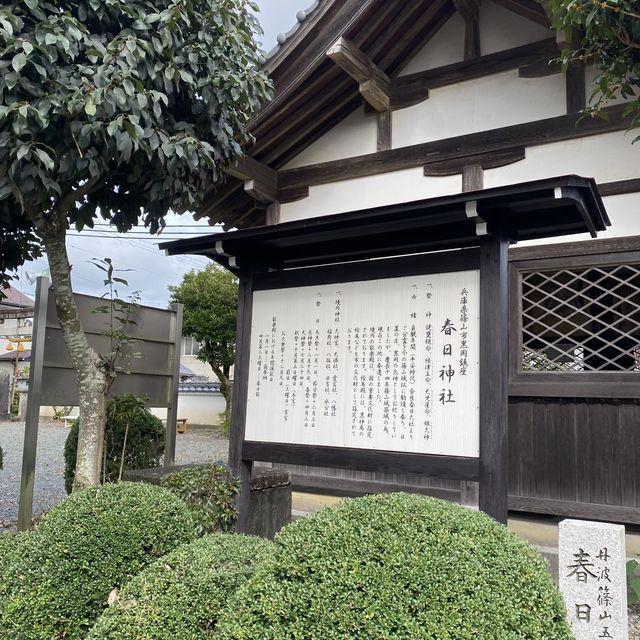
x=531, y=210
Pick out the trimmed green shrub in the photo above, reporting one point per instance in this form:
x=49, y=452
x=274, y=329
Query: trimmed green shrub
x=92, y=542
x=398, y=566
x=11, y=544
x=180, y=596
x=209, y=492
x=145, y=439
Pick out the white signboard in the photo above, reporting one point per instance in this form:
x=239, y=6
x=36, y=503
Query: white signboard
x=388, y=365
x=593, y=579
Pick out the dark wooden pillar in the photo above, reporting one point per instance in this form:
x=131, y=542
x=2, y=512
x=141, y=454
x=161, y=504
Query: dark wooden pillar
x=240, y=468
x=493, y=374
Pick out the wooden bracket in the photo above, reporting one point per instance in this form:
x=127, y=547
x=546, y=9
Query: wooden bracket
x=262, y=184
x=470, y=10
x=375, y=84
x=488, y=160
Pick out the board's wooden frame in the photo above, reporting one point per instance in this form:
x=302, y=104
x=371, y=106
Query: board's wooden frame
x=489, y=469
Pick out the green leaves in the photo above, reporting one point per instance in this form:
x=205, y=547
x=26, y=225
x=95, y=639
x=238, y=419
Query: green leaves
x=155, y=92
x=610, y=41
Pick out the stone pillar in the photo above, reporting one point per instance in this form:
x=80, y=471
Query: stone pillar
x=593, y=579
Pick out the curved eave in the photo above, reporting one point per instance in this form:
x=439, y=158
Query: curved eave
x=533, y=210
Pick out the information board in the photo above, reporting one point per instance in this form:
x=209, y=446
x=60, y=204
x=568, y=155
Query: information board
x=387, y=365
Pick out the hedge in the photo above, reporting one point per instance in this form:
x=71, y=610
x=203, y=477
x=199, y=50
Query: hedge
x=180, y=596
x=91, y=543
x=145, y=438
x=209, y=492
x=398, y=566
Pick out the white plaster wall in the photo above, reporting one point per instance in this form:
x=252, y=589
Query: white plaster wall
x=500, y=29
x=355, y=135
x=446, y=47
x=372, y=191
x=486, y=103
x=200, y=408
x=197, y=408
x=607, y=158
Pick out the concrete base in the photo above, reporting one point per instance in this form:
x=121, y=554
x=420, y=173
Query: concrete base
x=270, y=503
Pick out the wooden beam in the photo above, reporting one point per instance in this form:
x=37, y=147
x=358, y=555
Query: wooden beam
x=416, y=32
x=411, y=89
x=261, y=191
x=576, y=87
x=566, y=127
x=619, y=187
x=540, y=69
x=343, y=16
x=293, y=194
x=375, y=84
x=470, y=10
x=472, y=178
x=384, y=130
x=492, y=160
x=273, y=213
x=249, y=169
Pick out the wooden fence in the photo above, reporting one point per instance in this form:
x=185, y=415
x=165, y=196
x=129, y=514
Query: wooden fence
x=574, y=388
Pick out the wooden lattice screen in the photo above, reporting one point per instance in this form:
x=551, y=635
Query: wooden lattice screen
x=581, y=319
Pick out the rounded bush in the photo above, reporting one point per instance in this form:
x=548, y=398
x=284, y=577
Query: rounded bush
x=11, y=544
x=398, y=566
x=180, y=596
x=92, y=542
x=145, y=438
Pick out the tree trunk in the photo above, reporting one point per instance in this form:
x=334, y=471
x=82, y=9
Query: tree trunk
x=225, y=389
x=90, y=379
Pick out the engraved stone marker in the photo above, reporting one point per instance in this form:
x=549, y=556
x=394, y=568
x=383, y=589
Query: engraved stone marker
x=593, y=579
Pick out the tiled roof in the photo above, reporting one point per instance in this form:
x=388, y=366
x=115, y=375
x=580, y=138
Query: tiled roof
x=199, y=387
x=302, y=17
x=11, y=297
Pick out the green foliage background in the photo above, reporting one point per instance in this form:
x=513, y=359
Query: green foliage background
x=610, y=41
x=118, y=110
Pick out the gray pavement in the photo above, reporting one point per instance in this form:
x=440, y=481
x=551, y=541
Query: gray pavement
x=197, y=445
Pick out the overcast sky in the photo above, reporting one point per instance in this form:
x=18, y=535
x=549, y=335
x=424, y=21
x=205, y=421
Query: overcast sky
x=151, y=271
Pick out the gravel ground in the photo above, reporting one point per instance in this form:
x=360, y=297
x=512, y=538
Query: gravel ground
x=197, y=445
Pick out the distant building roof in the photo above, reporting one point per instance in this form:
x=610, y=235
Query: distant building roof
x=10, y=356
x=185, y=371
x=11, y=297
x=199, y=387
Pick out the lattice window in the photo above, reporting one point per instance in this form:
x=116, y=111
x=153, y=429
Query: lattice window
x=581, y=319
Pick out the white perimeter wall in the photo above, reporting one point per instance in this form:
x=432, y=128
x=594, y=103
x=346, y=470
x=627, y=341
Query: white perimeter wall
x=200, y=408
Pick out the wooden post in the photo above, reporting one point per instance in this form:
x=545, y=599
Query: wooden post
x=472, y=180
x=239, y=467
x=494, y=344
x=172, y=405
x=5, y=385
x=25, y=508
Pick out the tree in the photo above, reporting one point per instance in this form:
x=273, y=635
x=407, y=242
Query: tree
x=610, y=41
x=210, y=299
x=120, y=111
